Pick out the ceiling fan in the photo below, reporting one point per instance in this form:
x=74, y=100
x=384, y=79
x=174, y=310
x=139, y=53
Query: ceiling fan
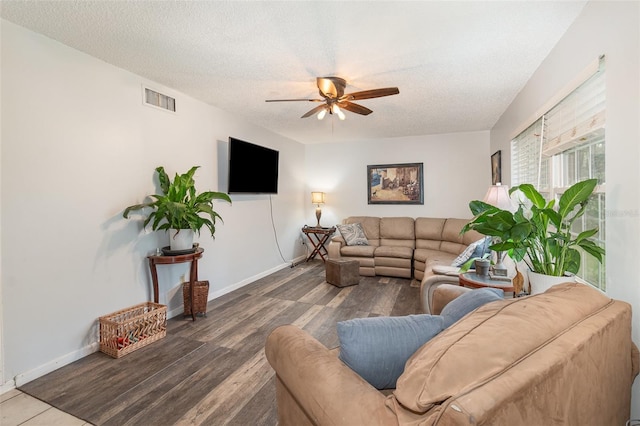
x=334, y=100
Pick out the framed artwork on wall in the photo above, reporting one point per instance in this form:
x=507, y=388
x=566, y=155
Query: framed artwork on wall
x=395, y=184
x=496, y=167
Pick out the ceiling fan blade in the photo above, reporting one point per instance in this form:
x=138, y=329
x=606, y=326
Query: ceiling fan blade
x=314, y=111
x=373, y=93
x=331, y=87
x=358, y=109
x=294, y=100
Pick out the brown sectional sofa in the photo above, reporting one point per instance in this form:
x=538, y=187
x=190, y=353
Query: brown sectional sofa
x=560, y=357
x=403, y=246
x=390, y=249
x=438, y=242
x=407, y=248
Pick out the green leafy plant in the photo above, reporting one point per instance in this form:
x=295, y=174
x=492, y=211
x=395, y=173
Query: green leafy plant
x=540, y=234
x=179, y=206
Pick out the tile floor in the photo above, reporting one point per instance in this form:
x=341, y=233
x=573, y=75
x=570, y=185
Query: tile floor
x=18, y=408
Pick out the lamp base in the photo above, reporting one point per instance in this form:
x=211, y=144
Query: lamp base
x=499, y=269
x=318, y=214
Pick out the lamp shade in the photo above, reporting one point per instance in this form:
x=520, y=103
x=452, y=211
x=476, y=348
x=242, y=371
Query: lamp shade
x=498, y=196
x=317, y=198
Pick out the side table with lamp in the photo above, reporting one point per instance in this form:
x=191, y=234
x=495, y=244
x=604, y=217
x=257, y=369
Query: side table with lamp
x=498, y=277
x=318, y=235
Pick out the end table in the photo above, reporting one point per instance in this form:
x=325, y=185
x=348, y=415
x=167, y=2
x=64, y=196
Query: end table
x=473, y=280
x=318, y=237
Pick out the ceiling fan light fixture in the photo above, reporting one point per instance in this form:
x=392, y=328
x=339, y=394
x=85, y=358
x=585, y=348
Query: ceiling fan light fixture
x=331, y=91
x=336, y=110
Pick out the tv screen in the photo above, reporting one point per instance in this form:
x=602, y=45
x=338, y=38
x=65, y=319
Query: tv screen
x=253, y=169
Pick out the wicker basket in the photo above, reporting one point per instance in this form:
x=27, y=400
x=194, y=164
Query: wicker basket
x=124, y=331
x=200, y=297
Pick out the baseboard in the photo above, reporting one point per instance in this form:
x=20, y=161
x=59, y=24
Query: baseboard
x=6, y=387
x=47, y=368
x=179, y=310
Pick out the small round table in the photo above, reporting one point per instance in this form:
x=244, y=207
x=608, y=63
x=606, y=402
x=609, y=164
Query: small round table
x=473, y=280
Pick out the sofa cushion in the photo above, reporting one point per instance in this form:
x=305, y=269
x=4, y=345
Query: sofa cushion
x=394, y=251
x=397, y=231
x=371, y=226
x=358, y=251
x=474, y=347
x=353, y=234
x=429, y=232
x=452, y=240
x=461, y=306
x=377, y=348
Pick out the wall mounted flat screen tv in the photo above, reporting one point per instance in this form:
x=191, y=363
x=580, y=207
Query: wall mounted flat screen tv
x=253, y=169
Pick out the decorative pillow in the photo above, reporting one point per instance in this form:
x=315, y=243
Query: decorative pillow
x=353, y=234
x=475, y=249
x=462, y=305
x=377, y=348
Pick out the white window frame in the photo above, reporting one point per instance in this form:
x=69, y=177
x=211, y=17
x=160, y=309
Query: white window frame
x=540, y=151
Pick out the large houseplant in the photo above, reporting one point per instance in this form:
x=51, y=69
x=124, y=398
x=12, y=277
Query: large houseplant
x=538, y=232
x=180, y=209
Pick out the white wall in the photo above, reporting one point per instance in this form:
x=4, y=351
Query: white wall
x=78, y=147
x=457, y=169
x=1, y=298
x=612, y=29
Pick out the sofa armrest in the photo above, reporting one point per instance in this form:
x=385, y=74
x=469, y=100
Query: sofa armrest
x=443, y=294
x=635, y=361
x=335, y=244
x=428, y=286
x=319, y=385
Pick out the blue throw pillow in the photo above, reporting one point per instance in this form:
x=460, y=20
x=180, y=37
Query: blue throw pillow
x=377, y=348
x=462, y=305
x=475, y=249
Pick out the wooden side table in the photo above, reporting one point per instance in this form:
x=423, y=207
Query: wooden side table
x=169, y=260
x=318, y=237
x=473, y=280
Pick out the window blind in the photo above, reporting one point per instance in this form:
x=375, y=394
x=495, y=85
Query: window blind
x=563, y=146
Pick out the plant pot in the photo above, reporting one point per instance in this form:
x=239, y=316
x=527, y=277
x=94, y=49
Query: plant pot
x=181, y=239
x=482, y=267
x=539, y=283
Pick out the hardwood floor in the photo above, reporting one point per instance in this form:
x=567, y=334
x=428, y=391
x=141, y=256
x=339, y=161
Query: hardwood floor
x=214, y=371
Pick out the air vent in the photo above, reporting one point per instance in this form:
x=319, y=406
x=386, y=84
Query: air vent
x=158, y=100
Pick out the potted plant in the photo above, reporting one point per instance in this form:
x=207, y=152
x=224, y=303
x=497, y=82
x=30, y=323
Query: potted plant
x=180, y=209
x=538, y=232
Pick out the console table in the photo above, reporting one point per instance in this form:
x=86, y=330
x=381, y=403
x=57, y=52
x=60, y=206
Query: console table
x=318, y=237
x=169, y=260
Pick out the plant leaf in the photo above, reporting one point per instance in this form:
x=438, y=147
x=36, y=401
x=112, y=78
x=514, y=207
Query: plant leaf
x=531, y=193
x=577, y=194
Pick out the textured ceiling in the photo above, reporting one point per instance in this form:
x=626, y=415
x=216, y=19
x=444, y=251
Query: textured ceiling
x=458, y=65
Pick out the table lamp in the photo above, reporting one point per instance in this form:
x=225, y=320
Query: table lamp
x=317, y=198
x=498, y=196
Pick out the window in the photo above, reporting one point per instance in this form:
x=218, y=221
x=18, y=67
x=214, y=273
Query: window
x=564, y=146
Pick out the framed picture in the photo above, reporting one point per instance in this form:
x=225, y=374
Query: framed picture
x=395, y=184
x=496, y=168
